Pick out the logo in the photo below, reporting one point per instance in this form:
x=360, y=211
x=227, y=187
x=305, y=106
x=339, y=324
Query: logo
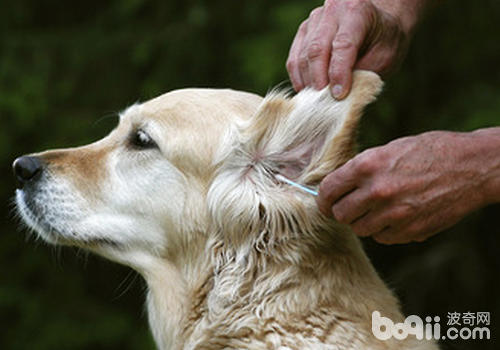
x=465, y=326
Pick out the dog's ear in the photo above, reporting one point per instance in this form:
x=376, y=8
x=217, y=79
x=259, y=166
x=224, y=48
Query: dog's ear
x=311, y=134
x=303, y=138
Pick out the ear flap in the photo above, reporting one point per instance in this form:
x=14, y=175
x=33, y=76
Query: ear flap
x=303, y=138
x=308, y=136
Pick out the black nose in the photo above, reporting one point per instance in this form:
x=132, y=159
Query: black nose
x=26, y=168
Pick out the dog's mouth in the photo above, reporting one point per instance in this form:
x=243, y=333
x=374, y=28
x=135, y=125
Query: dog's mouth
x=38, y=219
x=30, y=214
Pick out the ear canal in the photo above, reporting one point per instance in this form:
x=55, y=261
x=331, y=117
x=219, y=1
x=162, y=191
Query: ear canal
x=306, y=137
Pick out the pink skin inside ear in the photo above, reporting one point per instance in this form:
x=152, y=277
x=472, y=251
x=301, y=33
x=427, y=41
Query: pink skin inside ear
x=295, y=159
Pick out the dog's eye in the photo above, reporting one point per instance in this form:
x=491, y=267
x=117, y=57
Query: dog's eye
x=140, y=139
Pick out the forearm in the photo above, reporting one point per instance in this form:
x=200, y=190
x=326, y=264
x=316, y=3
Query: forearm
x=487, y=148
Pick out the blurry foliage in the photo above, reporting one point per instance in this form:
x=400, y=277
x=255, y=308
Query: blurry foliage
x=66, y=68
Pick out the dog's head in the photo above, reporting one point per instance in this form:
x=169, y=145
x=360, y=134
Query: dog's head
x=188, y=162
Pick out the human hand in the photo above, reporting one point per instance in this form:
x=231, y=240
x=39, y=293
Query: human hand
x=343, y=35
x=413, y=187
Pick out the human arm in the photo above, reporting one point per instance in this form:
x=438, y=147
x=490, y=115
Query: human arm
x=343, y=35
x=414, y=187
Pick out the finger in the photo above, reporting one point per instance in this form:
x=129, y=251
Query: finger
x=421, y=229
x=352, y=206
x=378, y=59
x=312, y=23
x=384, y=215
x=292, y=64
x=386, y=48
x=345, y=47
x=401, y=234
x=334, y=186
x=371, y=223
x=319, y=49
x=389, y=235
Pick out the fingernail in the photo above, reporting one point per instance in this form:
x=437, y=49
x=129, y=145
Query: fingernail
x=337, y=91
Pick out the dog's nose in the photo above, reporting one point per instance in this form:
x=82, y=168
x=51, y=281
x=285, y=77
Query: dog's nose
x=26, y=168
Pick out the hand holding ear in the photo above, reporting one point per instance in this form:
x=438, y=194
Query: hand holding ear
x=344, y=35
x=416, y=186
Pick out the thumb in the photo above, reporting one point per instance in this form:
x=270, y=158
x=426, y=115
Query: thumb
x=345, y=48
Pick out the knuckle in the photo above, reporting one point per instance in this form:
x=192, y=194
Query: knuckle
x=303, y=63
x=324, y=207
x=369, y=161
x=316, y=12
x=330, y=3
x=302, y=31
x=303, y=26
x=334, y=74
x=315, y=50
x=396, y=215
x=365, y=165
x=351, y=7
x=338, y=214
x=401, y=213
x=325, y=188
x=343, y=42
x=290, y=65
x=381, y=191
x=339, y=76
x=354, y=6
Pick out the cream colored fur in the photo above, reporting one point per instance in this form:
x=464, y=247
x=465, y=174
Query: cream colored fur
x=233, y=259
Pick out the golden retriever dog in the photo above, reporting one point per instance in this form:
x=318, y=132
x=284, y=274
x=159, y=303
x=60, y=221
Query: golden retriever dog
x=184, y=191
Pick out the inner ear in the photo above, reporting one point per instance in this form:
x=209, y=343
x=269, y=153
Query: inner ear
x=293, y=160
x=311, y=134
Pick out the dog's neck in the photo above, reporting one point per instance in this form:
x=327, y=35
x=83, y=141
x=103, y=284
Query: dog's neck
x=229, y=291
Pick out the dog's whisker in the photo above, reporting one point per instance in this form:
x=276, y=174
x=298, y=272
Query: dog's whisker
x=125, y=285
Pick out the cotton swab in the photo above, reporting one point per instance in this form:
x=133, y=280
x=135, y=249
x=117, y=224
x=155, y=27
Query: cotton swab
x=294, y=184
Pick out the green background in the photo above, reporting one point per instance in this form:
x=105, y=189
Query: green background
x=67, y=68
